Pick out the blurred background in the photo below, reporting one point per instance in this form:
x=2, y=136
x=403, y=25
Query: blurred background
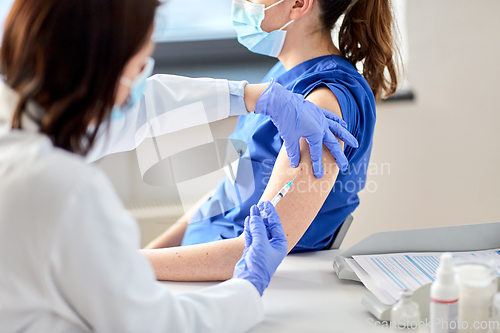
x=436, y=156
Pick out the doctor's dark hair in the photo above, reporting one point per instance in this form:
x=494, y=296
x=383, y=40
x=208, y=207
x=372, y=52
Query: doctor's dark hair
x=367, y=36
x=68, y=56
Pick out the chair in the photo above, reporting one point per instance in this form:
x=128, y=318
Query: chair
x=339, y=235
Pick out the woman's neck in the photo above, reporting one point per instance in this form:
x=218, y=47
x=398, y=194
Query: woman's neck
x=300, y=47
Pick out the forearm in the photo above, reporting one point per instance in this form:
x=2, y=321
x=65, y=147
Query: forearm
x=204, y=262
x=174, y=235
x=163, y=94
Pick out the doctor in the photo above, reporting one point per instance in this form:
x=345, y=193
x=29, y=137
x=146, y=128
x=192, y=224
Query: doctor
x=68, y=248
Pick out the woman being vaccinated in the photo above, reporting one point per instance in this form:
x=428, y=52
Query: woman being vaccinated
x=72, y=73
x=299, y=33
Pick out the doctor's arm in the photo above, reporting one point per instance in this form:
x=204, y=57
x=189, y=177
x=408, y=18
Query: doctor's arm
x=166, y=96
x=297, y=210
x=111, y=287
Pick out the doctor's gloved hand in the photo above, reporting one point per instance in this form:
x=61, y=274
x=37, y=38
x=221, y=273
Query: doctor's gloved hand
x=265, y=247
x=296, y=118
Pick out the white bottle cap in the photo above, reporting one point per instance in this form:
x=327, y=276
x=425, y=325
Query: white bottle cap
x=445, y=272
x=445, y=288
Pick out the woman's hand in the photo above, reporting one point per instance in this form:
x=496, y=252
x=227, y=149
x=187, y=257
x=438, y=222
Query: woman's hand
x=296, y=118
x=265, y=247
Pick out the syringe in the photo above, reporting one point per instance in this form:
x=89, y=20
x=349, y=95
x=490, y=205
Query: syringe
x=277, y=198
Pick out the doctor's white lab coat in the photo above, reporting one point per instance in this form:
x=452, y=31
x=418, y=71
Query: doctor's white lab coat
x=68, y=248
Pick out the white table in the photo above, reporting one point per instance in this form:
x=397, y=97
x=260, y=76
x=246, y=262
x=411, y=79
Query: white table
x=305, y=295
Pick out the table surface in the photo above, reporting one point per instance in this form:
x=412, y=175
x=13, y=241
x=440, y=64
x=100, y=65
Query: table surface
x=305, y=295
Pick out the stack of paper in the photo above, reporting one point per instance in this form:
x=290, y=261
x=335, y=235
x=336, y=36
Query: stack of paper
x=385, y=275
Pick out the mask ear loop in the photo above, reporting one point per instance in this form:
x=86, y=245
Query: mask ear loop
x=147, y=71
x=126, y=82
x=286, y=25
x=275, y=4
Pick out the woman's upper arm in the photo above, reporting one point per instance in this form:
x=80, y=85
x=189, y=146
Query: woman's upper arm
x=300, y=206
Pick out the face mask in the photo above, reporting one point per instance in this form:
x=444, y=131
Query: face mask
x=247, y=20
x=137, y=87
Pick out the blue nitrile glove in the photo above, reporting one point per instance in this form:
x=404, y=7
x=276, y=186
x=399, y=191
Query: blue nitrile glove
x=296, y=118
x=265, y=247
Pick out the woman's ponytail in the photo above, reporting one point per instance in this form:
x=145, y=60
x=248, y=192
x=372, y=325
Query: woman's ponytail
x=367, y=36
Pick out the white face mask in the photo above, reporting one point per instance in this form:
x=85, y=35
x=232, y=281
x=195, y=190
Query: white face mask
x=247, y=19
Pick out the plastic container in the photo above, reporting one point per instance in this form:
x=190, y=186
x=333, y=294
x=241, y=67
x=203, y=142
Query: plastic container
x=477, y=283
x=405, y=314
x=443, y=313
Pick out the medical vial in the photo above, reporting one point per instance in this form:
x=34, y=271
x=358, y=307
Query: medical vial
x=405, y=314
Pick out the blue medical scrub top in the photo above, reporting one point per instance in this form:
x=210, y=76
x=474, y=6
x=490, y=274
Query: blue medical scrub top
x=222, y=216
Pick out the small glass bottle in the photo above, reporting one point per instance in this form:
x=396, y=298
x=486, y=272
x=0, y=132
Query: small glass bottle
x=405, y=314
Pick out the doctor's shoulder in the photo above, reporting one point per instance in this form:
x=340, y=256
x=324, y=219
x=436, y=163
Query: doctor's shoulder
x=62, y=192
x=53, y=173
